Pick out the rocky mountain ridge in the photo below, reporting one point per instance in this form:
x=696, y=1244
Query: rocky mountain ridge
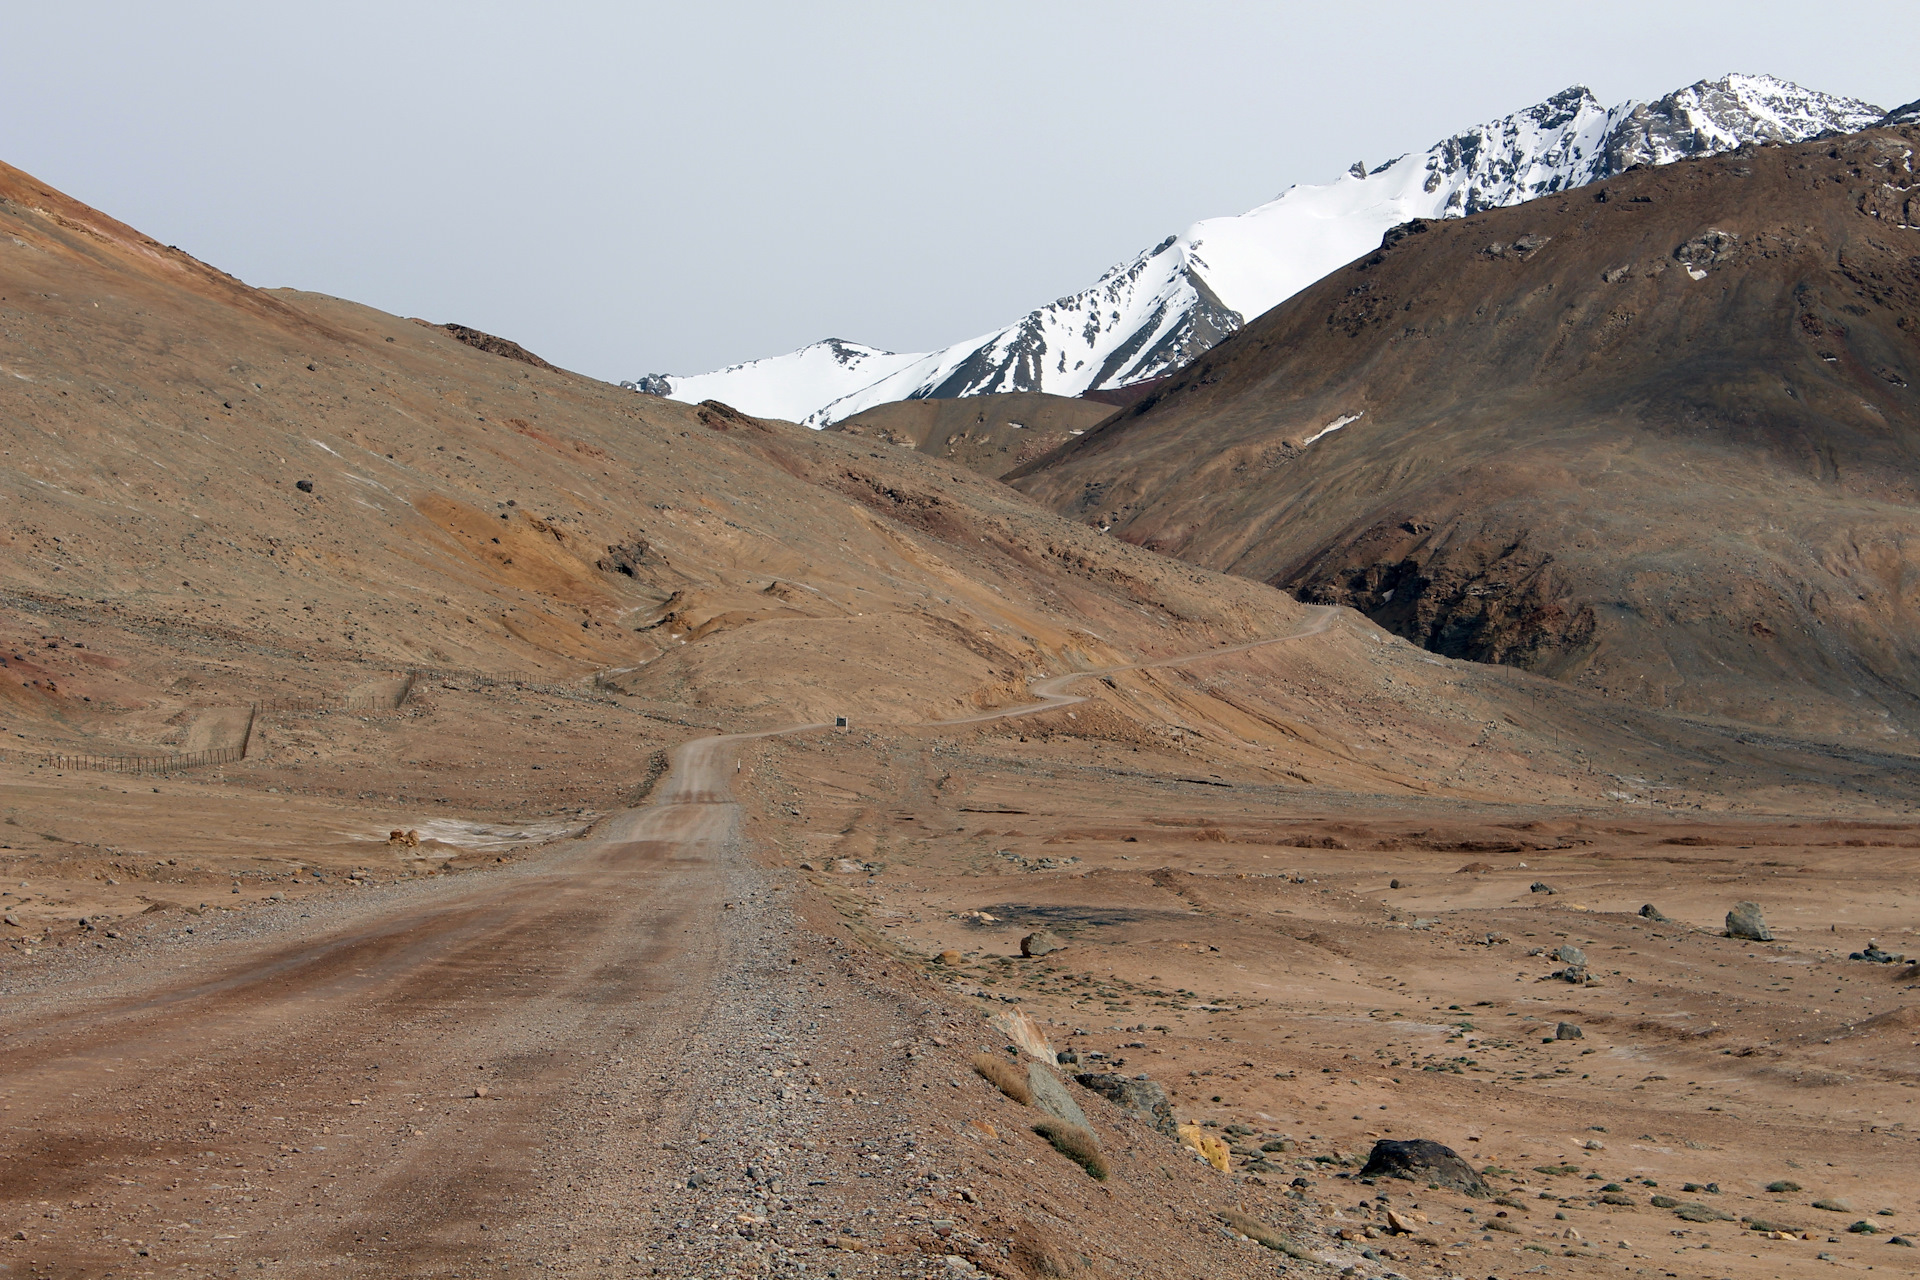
x=1155, y=313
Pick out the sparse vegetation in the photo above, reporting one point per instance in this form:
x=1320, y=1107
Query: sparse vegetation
x=1076, y=1144
x=1004, y=1076
x=1260, y=1233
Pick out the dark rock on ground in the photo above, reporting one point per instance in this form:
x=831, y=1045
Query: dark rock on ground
x=1568, y=1031
x=1746, y=921
x=1541, y=886
x=1045, y=942
x=1422, y=1160
x=1144, y=1098
x=1653, y=913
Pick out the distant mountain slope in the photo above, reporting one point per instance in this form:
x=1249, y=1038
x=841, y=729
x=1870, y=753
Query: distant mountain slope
x=990, y=434
x=1148, y=317
x=1658, y=437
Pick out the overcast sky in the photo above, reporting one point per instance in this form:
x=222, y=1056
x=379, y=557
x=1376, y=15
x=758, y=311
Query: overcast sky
x=665, y=188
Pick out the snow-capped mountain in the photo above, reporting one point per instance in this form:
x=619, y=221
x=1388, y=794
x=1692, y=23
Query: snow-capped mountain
x=1149, y=316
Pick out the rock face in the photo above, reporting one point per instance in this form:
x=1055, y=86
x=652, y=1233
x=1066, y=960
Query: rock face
x=1051, y=1096
x=1550, y=457
x=1746, y=921
x=1045, y=942
x=1421, y=1160
x=1144, y=1098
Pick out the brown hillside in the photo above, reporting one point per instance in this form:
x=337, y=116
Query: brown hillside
x=1656, y=437
x=991, y=434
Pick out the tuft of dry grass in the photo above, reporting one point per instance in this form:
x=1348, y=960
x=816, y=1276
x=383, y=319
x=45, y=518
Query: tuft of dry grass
x=1076, y=1144
x=1254, y=1229
x=1004, y=1076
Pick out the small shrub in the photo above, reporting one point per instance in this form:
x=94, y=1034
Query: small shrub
x=1076, y=1144
x=1701, y=1213
x=1783, y=1185
x=1004, y=1076
x=1665, y=1202
x=1259, y=1232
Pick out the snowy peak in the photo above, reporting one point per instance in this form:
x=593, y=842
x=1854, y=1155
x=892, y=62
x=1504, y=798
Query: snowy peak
x=791, y=386
x=1155, y=313
x=1719, y=115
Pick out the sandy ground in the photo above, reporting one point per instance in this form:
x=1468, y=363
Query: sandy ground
x=645, y=1049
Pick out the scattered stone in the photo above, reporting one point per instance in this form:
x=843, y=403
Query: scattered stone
x=1393, y=884
x=948, y=957
x=304, y=486
x=1746, y=921
x=1901, y=1240
x=1874, y=955
x=1042, y=943
x=479, y=1091
x=1568, y=1031
x=1541, y=886
x=1422, y=1160
x=1653, y=913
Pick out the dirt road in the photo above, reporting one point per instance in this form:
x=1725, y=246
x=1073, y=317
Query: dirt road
x=408, y=1080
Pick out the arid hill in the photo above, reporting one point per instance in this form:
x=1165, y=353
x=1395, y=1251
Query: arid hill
x=446, y=929
x=991, y=434
x=1656, y=437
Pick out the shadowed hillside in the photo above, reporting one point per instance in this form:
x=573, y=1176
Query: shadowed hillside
x=1656, y=436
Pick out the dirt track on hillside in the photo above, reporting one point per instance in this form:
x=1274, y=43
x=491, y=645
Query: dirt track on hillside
x=379, y=1089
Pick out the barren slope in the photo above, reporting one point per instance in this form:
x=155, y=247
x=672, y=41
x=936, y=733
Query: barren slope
x=588, y=1016
x=990, y=433
x=1654, y=436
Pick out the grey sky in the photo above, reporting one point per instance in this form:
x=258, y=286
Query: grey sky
x=671, y=187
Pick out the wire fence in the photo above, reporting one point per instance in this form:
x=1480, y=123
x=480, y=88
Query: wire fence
x=127, y=764
x=176, y=761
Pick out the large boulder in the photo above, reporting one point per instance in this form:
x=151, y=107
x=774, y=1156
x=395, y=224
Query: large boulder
x=1421, y=1160
x=1745, y=921
x=1051, y=1096
x=1045, y=942
x=1142, y=1097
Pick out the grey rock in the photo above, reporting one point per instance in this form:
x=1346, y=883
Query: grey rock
x=1051, y=1096
x=1746, y=921
x=1653, y=913
x=1571, y=956
x=1042, y=943
x=1568, y=1031
x=1422, y=1160
x=1541, y=886
x=1143, y=1098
